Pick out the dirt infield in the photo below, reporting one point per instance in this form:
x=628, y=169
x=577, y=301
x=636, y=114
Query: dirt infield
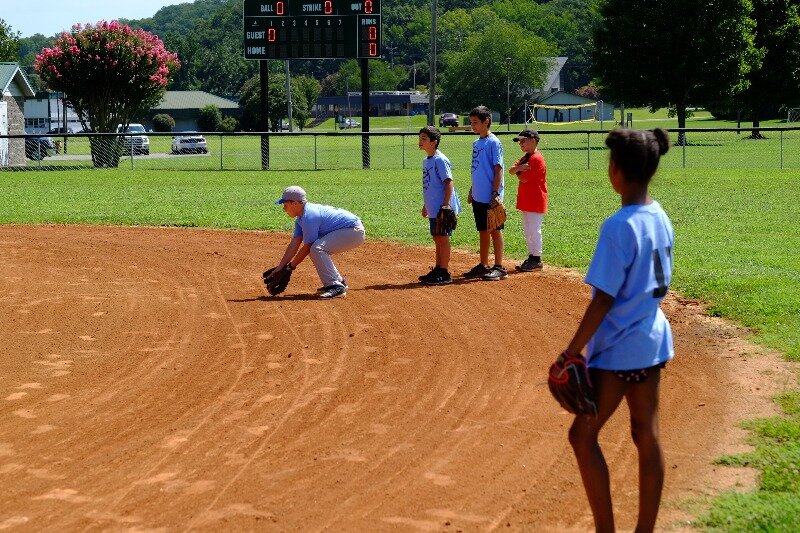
x=147, y=383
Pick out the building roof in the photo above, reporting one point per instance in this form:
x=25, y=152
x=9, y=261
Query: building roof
x=564, y=98
x=193, y=100
x=554, y=75
x=11, y=72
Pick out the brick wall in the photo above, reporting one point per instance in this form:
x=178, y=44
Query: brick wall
x=16, y=126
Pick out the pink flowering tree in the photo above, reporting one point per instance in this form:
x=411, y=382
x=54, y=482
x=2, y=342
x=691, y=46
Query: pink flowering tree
x=110, y=75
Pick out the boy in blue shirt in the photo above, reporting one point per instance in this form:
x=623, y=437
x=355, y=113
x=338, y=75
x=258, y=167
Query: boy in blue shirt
x=487, y=183
x=319, y=231
x=627, y=337
x=438, y=192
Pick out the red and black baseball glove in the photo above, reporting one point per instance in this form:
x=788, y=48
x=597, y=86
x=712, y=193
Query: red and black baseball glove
x=571, y=386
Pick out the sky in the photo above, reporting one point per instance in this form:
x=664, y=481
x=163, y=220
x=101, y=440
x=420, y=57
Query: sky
x=49, y=17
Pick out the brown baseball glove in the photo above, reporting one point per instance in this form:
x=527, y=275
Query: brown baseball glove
x=571, y=386
x=496, y=214
x=446, y=221
x=277, y=281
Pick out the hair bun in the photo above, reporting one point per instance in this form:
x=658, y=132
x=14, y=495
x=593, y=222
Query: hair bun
x=662, y=137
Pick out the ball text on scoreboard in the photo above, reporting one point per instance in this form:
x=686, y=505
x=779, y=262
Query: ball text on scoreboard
x=296, y=29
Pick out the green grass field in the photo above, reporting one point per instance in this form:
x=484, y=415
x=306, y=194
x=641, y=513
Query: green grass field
x=737, y=243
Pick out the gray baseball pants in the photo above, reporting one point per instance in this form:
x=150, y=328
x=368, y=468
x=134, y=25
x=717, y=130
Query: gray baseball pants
x=333, y=243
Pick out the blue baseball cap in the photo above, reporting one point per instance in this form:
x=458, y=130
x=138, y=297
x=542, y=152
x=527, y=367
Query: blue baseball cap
x=293, y=193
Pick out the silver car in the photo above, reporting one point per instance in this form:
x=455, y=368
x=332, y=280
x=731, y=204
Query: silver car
x=189, y=142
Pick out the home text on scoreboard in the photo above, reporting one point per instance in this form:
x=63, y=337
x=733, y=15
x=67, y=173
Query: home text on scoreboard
x=303, y=29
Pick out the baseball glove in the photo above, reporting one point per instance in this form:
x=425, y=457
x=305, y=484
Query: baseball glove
x=496, y=214
x=446, y=221
x=571, y=386
x=277, y=281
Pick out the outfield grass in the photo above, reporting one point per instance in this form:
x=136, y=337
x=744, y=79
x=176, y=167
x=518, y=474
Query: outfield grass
x=736, y=248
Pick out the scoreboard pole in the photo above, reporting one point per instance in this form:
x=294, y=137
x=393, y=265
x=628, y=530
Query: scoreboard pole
x=263, y=74
x=365, y=156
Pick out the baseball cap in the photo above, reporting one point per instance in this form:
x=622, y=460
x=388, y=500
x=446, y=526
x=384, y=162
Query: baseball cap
x=527, y=134
x=292, y=193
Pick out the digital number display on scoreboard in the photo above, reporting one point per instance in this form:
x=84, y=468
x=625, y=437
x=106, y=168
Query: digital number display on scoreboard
x=325, y=29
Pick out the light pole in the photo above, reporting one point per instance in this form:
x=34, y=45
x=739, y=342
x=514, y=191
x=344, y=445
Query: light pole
x=508, y=92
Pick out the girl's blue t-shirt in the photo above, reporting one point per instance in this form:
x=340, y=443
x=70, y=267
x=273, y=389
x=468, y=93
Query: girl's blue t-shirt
x=633, y=263
x=436, y=170
x=486, y=153
x=318, y=220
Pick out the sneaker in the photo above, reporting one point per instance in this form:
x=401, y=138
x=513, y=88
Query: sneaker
x=328, y=287
x=334, y=291
x=440, y=277
x=530, y=264
x=478, y=271
x=496, y=273
x=429, y=274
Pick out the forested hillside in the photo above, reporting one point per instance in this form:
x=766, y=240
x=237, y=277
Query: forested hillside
x=208, y=37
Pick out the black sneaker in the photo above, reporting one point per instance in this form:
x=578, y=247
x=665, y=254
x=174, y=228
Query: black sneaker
x=478, y=271
x=439, y=276
x=328, y=287
x=530, y=264
x=429, y=274
x=496, y=273
x=334, y=291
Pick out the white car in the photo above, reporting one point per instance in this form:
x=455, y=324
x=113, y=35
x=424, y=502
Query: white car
x=134, y=144
x=349, y=123
x=189, y=142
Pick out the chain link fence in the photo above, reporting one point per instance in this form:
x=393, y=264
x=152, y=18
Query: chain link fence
x=775, y=148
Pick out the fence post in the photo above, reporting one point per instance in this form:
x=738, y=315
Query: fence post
x=588, y=151
x=781, y=149
x=220, y=152
x=315, y=150
x=683, y=146
x=403, y=144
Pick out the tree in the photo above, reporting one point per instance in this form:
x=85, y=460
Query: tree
x=673, y=52
x=477, y=75
x=9, y=43
x=109, y=74
x=777, y=81
x=250, y=100
x=309, y=89
x=210, y=118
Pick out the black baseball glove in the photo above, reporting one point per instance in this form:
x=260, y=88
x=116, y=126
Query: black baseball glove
x=446, y=221
x=571, y=386
x=277, y=281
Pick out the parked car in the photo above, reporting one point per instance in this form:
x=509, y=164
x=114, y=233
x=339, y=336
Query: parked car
x=37, y=148
x=134, y=144
x=349, y=123
x=189, y=142
x=60, y=130
x=448, y=119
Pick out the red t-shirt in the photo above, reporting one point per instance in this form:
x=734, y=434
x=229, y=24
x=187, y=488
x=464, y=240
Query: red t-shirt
x=532, y=192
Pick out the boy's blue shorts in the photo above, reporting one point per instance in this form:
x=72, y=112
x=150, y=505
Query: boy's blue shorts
x=433, y=229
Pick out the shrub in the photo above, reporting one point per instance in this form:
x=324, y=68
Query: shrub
x=229, y=124
x=163, y=123
x=210, y=118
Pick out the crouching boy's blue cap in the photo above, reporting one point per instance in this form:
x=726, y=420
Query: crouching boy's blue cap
x=294, y=193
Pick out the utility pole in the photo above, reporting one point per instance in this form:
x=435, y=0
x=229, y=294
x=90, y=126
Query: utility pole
x=432, y=85
x=508, y=92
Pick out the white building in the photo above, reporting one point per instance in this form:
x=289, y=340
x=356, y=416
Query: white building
x=45, y=111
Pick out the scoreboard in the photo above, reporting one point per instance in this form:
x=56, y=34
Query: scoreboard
x=312, y=29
